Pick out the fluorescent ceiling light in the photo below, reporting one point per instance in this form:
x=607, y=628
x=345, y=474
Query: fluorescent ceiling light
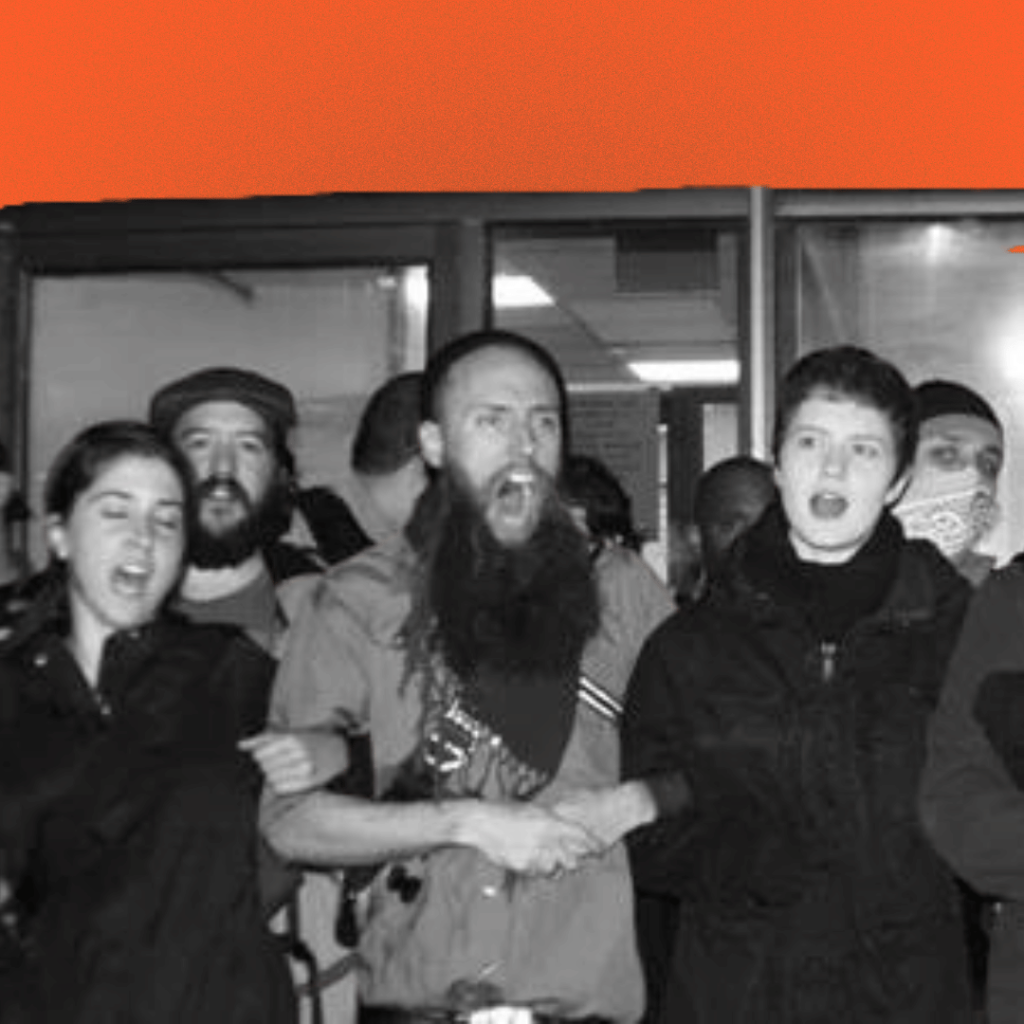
x=688, y=371
x=518, y=291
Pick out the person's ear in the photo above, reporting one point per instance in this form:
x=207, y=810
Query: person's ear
x=431, y=444
x=57, y=538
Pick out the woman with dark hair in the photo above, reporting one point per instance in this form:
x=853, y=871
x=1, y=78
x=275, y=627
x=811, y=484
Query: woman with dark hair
x=127, y=813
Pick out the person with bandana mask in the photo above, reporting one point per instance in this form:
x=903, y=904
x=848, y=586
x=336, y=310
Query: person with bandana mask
x=951, y=499
x=485, y=814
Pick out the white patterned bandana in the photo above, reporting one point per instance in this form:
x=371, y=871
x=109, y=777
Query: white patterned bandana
x=955, y=523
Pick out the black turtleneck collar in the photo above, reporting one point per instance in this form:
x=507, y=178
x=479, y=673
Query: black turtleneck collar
x=833, y=597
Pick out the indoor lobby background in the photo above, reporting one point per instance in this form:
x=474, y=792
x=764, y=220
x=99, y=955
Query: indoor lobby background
x=673, y=313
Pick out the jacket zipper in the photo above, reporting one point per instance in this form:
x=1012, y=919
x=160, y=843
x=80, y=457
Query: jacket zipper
x=828, y=650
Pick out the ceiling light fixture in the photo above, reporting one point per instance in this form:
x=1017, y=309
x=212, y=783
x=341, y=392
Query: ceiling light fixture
x=687, y=371
x=518, y=291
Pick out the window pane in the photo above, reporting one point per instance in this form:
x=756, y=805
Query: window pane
x=101, y=345
x=940, y=299
x=615, y=301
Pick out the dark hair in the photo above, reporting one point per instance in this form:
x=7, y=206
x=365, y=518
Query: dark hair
x=949, y=397
x=79, y=463
x=847, y=371
x=73, y=471
x=718, y=486
x=388, y=433
x=442, y=362
x=589, y=483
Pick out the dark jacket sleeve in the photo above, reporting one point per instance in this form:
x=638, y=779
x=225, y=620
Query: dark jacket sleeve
x=652, y=741
x=971, y=807
x=717, y=831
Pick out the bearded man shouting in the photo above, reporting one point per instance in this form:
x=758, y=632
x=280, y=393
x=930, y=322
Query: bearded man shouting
x=485, y=831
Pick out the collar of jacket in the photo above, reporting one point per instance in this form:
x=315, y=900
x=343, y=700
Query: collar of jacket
x=50, y=664
x=764, y=582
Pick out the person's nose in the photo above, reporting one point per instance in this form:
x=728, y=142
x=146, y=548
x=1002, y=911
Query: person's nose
x=835, y=461
x=143, y=532
x=223, y=460
x=524, y=440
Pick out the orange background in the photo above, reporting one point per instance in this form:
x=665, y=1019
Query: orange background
x=133, y=99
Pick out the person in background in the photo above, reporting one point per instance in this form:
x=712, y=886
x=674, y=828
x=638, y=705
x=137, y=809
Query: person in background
x=635, y=601
x=599, y=503
x=485, y=823
x=779, y=725
x=972, y=793
x=233, y=428
x=127, y=813
x=730, y=497
x=951, y=499
x=388, y=475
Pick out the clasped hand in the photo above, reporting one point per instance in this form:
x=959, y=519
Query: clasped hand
x=298, y=760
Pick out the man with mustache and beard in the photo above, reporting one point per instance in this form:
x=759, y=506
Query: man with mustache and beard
x=481, y=826
x=232, y=425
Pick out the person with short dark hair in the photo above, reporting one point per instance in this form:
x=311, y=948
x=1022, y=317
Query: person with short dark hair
x=779, y=725
x=729, y=498
x=481, y=838
x=388, y=475
x=600, y=501
x=127, y=814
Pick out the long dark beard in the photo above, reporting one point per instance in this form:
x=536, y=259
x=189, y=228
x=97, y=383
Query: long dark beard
x=265, y=521
x=519, y=613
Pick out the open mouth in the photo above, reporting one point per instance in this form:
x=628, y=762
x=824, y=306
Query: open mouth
x=829, y=505
x=131, y=580
x=515, y=493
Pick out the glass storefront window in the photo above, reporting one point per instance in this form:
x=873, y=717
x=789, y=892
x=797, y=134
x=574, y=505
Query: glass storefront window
x=942, y=298
x=633, y=312
x=332, y=335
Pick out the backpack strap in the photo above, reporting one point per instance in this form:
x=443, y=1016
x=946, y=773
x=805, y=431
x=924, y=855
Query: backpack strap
x=598, y=699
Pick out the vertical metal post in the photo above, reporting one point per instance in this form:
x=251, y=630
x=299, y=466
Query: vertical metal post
x=459, y=285
x=761, y=355
x=14, y=299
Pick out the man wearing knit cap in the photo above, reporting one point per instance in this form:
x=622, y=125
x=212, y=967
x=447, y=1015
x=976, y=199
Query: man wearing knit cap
x=951, y=499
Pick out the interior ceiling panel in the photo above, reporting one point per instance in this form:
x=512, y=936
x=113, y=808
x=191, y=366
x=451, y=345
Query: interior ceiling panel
x=598, y=325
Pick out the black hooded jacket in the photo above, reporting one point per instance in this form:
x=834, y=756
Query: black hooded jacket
x=791, y=704
x=128, y=832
